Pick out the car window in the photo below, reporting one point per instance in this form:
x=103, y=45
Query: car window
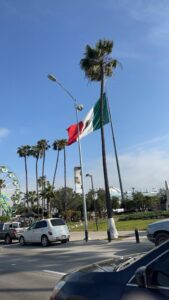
x=38, y=225
x=41, y=224
x=159, y=271
x=57, y=222
x=1, y=226
x=33, y=226
x=15, y=225
x=44, y=224
x=7, y=226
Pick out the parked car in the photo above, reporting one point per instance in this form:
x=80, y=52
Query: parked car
x=140, y=277
x=10, y=231
x=45, y=232
x=158, y=232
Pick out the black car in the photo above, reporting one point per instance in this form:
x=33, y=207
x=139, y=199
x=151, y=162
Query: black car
x=140, y=277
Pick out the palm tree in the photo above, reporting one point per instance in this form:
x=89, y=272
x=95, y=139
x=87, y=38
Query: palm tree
x=32, y=198
x=43, y=146
x=36, y=153
x=56, y=146
x=2, y=184
x=97, y=64
x=24, y=151
x=49, y=194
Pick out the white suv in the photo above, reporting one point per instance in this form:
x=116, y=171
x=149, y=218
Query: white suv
x=45, y=232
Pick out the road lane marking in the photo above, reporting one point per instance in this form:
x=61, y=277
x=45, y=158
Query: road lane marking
x=53, y=272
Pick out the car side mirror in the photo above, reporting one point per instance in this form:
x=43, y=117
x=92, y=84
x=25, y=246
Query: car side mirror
x=141, y=277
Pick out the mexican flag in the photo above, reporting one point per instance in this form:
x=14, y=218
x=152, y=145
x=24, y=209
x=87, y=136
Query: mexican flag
x=90, y=123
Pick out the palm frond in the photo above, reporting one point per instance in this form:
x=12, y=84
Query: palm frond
x=96, y=60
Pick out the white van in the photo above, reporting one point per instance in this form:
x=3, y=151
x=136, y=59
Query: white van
x=46, y=231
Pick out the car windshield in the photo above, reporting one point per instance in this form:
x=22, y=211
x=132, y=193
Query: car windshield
x=57, y=222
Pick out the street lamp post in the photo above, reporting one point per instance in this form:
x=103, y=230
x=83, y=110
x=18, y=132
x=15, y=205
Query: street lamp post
x=77, y=108
x=95, y=210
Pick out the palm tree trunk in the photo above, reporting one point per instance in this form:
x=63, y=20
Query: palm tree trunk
x=43, y=183
x=112, y=232
x=37, y=190
x=26, y=176
x=54, y=176
x=65, y=183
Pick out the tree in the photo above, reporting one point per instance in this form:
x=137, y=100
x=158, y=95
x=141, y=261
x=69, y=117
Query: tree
x=41, y=185
x=36, y=152
x=2, y=185
x=74, y=205
x=56, y=146
x=32, y=198
x=61, y=145
x=24, y=151
x=49, y=194
x=115, y=202
x=43, y=146
x=97, y=64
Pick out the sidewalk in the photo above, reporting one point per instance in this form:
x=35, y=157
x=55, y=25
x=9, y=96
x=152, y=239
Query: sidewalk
x=102, y=235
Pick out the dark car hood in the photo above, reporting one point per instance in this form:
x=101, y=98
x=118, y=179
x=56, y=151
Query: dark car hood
x=116, y=263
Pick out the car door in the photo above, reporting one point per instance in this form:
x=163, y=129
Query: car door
x=30, y=234
x=36, y=234
x=157, y=287
x=40, y=229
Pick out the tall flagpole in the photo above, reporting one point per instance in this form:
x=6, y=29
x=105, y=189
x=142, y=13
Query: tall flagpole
x=115, y=151
x=77, y=108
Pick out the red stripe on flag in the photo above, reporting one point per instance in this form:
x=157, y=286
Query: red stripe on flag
x=73, y=133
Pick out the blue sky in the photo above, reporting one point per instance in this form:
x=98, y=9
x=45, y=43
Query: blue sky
x=41, y=37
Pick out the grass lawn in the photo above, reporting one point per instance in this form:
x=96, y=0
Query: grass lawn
x=120, y=225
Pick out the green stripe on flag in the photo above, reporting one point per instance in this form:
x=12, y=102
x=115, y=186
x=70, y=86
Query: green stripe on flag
x=96, y=117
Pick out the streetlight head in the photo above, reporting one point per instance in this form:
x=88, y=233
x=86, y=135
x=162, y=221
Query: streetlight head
x=51, y=77
x=88, y=175
x=79, y=107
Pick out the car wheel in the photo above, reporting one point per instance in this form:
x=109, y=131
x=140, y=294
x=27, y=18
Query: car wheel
x=8, y=240
x=22, y=241
x=161, y=238
x=44, y=241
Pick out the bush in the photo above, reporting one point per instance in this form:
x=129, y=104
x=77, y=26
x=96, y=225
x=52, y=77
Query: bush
x=71, y=215
x=4, y=218
x=145, y=215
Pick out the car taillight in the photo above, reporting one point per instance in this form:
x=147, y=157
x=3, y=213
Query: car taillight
x=50, y=232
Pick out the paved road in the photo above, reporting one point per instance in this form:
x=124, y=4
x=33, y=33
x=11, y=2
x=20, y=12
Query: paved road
x=30, y=272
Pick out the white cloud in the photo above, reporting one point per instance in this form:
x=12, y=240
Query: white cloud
x=4, y=132
x=144, y=166
x=144, y=169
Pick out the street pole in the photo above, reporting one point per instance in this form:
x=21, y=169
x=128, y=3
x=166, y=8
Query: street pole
x=77, y=108
x=95, y=210
x=115, y=151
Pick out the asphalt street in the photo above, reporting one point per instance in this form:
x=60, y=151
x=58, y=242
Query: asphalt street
x=30, y=272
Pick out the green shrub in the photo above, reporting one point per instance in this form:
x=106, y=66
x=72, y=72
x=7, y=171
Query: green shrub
x=4, y=218
x=144, y=215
